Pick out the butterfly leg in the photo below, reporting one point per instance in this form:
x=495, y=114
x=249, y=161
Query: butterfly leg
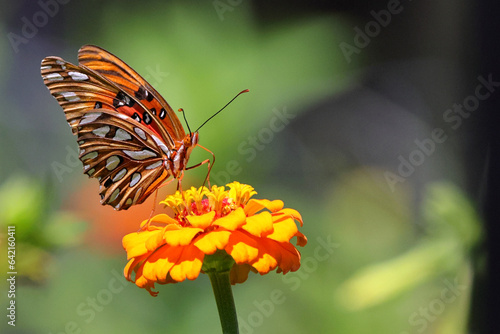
x=146, y=225
x=210, y=165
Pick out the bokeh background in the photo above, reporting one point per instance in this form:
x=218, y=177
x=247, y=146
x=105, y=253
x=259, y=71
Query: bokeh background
x=368, y=117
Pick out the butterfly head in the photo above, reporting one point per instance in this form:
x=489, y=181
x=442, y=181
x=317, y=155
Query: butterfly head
x=191, y=140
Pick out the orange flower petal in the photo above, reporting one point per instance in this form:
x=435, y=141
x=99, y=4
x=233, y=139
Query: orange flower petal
x=233, y=220
x=289, y=259
x=181, y=237
x=131, y=266
x=158, y=264
x=259, y=224
x=202, y=221
x=283, y=230
x=209, y=242
x=301, y=239
x=239, y=273
x=189, y=264
x=255, y=205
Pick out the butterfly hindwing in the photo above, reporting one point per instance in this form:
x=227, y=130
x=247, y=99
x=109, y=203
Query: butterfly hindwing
x=125, y=159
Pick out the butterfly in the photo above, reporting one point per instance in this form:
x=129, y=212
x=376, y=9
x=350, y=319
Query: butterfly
x=129, y=137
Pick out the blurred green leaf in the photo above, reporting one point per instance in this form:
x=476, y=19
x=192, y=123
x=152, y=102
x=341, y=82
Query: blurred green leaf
x=447, y=211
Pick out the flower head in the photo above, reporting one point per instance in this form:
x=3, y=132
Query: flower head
x=209, y=227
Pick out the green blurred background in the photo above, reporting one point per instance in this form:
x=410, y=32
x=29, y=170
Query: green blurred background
x=342, y=98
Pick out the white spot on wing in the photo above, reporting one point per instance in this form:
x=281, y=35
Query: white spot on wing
x=121, y=134
x=60, y=62
x=91, y=155
x=102, y=131
x=114, y=195
x=112, y=162
x=155, y=165
x=54, y=77
x=90, y=117
x=140, y=155
x=70, y=96
x=77, y=76
x=136, y=177
x=46, y=67
x=160, y=143
x=140, y=133
x=120, y=175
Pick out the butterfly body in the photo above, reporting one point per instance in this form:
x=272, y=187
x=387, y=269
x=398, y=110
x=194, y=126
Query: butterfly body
x=129, y=137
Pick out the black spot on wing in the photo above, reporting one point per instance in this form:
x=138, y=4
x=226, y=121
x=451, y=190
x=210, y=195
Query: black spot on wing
x=143, y=94
x=98, y=105
x=147, y=118
x=122, y=99
x=136, y=117
x=163, y=113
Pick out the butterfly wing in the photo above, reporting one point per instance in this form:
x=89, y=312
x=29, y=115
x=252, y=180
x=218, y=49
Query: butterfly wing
x=124, y=154
x=158, y=112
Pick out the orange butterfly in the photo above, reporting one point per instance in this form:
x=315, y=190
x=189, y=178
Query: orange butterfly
x=129, y=137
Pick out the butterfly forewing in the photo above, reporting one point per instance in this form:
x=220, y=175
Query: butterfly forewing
x=157, y=110
x=116, y=147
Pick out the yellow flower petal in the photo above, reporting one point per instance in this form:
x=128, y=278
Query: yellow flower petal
x=209, y=242
x=158, y=264
x=290, y=212
x=135, y=243
x=265, y=264
x=155, y=241
x=201, y=221
x=181, y=237
x=232, y=221
x=164, y=219
x=260, y=224
x=255, y=205
x=283, y=230
x=242, y=247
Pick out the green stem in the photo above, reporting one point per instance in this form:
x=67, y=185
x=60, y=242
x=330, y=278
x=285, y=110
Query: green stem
x=225, y=301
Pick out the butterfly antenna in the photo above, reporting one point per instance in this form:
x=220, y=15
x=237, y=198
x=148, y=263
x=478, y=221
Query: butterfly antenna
x=185, y=120
x=243, y=91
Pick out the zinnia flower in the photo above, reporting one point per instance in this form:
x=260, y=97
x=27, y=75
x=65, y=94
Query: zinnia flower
x=212, y=226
